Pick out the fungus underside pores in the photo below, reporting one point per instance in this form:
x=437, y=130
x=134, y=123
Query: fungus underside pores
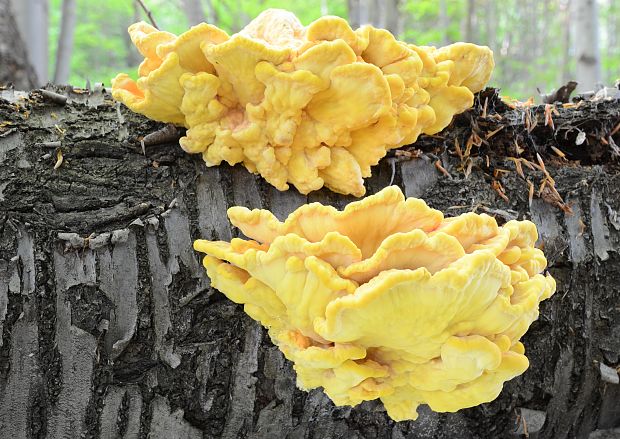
x=424, y=310
x=309, y=106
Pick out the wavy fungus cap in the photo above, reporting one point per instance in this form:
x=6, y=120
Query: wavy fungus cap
x=312, y=106
x=421, y=310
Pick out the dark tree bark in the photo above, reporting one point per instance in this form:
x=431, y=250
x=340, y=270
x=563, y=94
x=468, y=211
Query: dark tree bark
x=14, y=65
x=110, y=329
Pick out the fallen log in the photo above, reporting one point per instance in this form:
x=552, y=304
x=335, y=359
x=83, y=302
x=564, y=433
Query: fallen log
x=110, y=328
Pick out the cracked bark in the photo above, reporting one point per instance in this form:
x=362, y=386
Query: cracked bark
x=110, y=328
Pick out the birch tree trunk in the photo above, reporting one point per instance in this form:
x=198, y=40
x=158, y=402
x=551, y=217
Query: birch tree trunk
x=65, y=42
x=109, y=328
x=586, y=40
x=15, y=67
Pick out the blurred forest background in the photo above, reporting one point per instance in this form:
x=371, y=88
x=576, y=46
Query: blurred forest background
x=538, y=44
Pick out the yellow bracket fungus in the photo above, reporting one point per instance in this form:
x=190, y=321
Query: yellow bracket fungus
x=311, y=106
x=419, y=310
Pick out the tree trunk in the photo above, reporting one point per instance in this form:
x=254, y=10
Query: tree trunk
x=133, y=56
x=391, y=16
x=612, y=23
x=65, y=42
x=32, y=18
x=15, y=66
x=444, y=22
x=353, y=12
x=586, y=40
x=376, y=12
x=565, y=74
x=470, y=22
x=212, y=17
x=110, y=328
x=194, y=12
x=324, y=7
x=364, y=11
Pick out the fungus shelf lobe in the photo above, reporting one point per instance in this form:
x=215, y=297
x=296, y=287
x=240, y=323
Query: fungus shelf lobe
x=309, y=106
x=426, y=310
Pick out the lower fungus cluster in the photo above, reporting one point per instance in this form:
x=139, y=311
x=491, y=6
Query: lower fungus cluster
x=419, y=310
x=311, y=106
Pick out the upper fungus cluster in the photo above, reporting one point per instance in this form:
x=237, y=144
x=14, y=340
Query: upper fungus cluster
x=312, y=106
x=421, y=310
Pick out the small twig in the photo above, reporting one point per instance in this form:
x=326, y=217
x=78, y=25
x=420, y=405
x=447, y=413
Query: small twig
x=392, y=162
x=402, y=154
x=615, y=130
x=54, y=97
x=484, y=109
x=148, y=13
x=441, y=169
x=168, y=133
x=525, y=432
x=497, y=186
x=55, y=144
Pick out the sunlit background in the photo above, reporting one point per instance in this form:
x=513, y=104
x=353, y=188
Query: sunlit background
x=535, y=42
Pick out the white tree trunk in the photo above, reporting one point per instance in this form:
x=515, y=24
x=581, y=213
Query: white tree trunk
x=65, y=43
x=32, y=18
x=324, y=7
x=586, y=38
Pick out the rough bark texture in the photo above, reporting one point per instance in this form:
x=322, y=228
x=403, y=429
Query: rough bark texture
x=109, y=328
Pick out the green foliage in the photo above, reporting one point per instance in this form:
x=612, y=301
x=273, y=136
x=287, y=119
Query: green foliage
x=528, y=37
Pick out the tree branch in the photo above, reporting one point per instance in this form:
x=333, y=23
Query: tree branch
x=148, y=13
